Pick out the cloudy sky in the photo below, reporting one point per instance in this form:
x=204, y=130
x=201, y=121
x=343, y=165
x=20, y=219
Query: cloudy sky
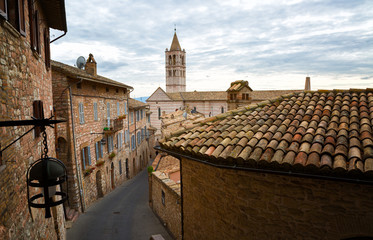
x=272, y=44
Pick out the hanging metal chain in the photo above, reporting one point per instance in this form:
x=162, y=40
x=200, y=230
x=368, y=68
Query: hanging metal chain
x=45, y=143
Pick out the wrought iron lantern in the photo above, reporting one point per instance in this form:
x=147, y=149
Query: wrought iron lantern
x=46, y=173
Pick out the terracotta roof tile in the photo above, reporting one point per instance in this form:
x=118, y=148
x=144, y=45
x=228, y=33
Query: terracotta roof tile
x=324, y=132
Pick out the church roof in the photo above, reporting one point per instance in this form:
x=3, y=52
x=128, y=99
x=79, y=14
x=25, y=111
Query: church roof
x=199, y=96
x=175, y=46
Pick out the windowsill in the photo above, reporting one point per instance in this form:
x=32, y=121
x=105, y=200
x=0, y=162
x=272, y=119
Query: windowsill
x=11, y=29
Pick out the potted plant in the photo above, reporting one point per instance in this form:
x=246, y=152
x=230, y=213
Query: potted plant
x=112, y=155
x=122, y=116
x=100, y=163
x=88, y=171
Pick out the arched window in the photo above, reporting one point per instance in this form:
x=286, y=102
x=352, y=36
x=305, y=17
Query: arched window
x=174, y=59
x=169, y=60
x=169, y=73
x=222, y=109
x=159, y=113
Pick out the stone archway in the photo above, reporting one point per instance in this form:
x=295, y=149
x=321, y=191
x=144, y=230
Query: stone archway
x=127, y=169
x=112, y=176
x=99, y=184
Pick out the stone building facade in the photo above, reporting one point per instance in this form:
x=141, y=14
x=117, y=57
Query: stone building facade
x=209, y=103
x=138, y=137
x=92, y=142
x=165, y=193
x=25, y=77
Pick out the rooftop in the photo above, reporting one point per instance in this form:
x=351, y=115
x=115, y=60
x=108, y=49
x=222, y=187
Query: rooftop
x=325, y=132
x=80, y=73
x=133, y=104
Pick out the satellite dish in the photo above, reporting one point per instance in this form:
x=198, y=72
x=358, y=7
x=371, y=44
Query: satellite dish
x=80, y=62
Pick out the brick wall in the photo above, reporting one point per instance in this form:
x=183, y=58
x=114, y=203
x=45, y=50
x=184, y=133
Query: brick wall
x=232, y=204
x=169, y=212
x=23, y=79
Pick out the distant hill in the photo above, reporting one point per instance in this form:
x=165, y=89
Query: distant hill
x=142, y=99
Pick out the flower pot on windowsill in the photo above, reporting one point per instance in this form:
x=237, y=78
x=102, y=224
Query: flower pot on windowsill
x=112, y=155
x=122, y=117
x=100, y=163
x=88, y=171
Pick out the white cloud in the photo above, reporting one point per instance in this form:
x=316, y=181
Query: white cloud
x=270, y=43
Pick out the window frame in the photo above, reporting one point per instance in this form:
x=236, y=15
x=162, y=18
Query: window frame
x=81, y=113
x=86, y=157
x=95, y=111
x=4, y=10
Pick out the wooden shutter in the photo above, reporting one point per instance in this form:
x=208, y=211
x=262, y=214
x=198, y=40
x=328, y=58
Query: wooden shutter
x=37, y=32
x=97, y=153
x=47, y=49
x=31, y=23
x=89, y=155
x=83, y=158
x=3, y=9
x=38, y=113
x=102, y=149
x=21, y=17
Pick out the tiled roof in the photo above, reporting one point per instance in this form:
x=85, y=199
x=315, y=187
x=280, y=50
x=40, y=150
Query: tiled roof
x=133, y=103
x=323, y=132
x=199, y=96
x=175, y=45
x=238, y=85
x=259, y=95
x=76, y=73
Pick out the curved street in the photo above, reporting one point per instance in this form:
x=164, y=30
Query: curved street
x=122, y=214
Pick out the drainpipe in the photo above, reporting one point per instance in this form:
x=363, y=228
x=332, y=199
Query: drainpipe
x=78, y=172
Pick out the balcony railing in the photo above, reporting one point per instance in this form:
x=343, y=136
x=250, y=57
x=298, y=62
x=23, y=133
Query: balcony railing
x=113, y=125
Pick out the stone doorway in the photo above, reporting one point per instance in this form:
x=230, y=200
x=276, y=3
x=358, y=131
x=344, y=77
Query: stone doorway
x=99, y=184
x=112, y=176
x=127, y=169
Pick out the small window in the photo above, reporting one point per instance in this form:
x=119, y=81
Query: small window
x=159, y=113
x=95, y=113
x=107, y=89
x=133, y=142
x=110, y=144
x=138, y=138
x=117, y=90
x=163, y=198
x=86, y=157
x=79, y=85
x=222, y=109
x=81, y=113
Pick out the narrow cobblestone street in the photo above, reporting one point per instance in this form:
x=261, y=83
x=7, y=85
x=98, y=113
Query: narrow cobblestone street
x=122, y=214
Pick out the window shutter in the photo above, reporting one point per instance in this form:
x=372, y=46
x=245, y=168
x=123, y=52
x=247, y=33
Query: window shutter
x=95, y=111
x=31, y=23
x=37, y=31
x=96, y=149
x=89, y=155
x=102, y=150
x=38, y=114
x=83, y=158
x=118, y=110
x=21, y=17
x=3, y=9
x=47, y=49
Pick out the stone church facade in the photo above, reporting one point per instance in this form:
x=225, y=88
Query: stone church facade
x=209, y=103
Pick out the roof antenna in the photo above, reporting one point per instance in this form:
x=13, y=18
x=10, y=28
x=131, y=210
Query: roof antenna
x=175, y=27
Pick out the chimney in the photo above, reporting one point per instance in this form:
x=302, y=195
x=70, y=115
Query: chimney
x=91, y=65
x=308, y=84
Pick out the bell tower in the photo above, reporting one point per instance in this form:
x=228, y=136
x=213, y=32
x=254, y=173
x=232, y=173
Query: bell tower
x=175, y=67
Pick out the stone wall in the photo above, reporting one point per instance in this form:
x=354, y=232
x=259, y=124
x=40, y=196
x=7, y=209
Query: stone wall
x=232, y=204
x=169, y=212
x=24, y=78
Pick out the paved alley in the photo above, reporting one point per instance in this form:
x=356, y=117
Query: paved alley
x=121, y=214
